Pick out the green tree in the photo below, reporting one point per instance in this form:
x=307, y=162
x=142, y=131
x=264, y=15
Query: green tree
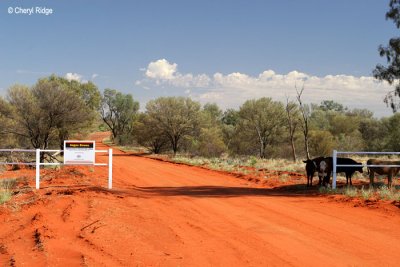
x=209, y=142
x=230, y=120
x=214, y=112
x=330, y=105
x=263, y=117
x=360, y=113
x=391, y=72
x=321, y=143
x=88, y=93
x=148, y=133
x=38, y=113
x=393, y=134
x=319, y=119
x=118, y=112
x=177, y=117
x=374, y=134
x=342, y=124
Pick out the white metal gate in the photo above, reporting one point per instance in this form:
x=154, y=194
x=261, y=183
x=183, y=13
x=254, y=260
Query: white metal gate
x=37, y=162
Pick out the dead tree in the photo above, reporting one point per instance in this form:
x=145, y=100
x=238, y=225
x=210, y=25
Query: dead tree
x=292, y=122
x=305, y=113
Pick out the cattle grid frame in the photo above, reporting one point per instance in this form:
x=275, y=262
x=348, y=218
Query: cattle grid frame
x=334, y=161
x=37, y=162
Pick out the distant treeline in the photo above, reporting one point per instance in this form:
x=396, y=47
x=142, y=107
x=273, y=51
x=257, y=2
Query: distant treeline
x=55, y=109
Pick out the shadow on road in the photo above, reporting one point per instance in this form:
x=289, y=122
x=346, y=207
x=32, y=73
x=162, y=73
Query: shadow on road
x=190, y=191
x=221, y=191
x=296, y=190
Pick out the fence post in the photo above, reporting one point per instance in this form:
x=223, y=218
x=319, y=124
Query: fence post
x=110, y=168
x=37, y=168
x=334, y=159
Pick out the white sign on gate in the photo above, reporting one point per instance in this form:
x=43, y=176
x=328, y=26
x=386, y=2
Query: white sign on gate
x=79, y=152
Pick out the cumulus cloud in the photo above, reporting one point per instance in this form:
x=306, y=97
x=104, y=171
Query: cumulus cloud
x=73, y=76
x=77, y=77
x=161, y=69
x=164, y=72
x=231, y=90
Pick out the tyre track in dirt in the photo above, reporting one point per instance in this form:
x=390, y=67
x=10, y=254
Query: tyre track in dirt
x=163, y=214
x=218, y=220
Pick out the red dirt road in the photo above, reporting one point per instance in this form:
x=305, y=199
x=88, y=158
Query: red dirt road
x=163, y=214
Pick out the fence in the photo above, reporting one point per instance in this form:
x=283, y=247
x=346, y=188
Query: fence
x=37, y=162
x=335, y=165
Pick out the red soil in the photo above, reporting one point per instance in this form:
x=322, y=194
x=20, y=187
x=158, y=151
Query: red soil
x=163, y=214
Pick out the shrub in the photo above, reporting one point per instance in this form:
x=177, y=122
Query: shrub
x=366, y=193
x=350, y=192
x=6, y=187
x=252, y=161
x=327, y=190
x=385, y=193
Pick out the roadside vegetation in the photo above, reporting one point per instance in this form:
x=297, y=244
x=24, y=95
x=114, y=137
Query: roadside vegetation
x=381, y=192
x=6, y=189
x=229, y=164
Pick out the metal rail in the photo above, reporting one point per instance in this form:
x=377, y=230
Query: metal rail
x=335, y=165
x=37, y=162
x=368, y=153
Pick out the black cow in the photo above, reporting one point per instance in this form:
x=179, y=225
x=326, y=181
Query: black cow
x=312, y=166
x=326, y=168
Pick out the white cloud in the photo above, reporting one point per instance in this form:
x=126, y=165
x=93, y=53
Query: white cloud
x=231, y=90
x=161, y=69
x=76, y=77
x=162, y=72
x=94, y=76
x=73, y=76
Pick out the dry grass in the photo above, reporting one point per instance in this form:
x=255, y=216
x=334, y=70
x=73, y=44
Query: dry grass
x=382, y=192
x=229, y=164
x=6, y=189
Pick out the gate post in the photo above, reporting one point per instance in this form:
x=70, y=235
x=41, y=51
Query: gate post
x=110, y=154
x=334, y=159
x=37, y=168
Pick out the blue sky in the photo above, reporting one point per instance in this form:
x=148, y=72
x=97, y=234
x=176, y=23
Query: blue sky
x=226, y=45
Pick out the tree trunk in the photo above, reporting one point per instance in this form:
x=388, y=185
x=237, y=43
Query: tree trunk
x=263, y=145
x=293, y=148
x=175, y=140
x=306, y=146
